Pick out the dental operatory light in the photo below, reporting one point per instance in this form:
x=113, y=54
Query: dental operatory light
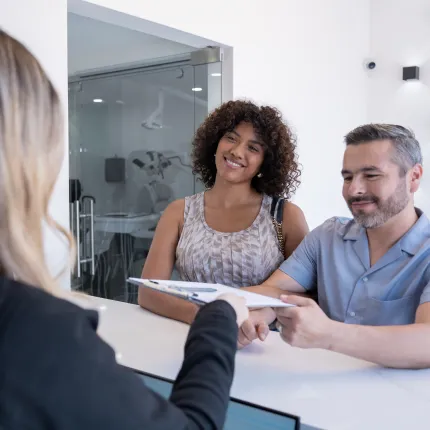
x=155, y=120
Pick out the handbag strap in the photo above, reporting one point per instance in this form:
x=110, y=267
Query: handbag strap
x=277, y=214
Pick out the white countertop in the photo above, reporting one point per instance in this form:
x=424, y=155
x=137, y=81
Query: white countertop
x=327, y=390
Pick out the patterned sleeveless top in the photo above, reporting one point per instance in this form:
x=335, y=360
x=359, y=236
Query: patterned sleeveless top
x=238, y=259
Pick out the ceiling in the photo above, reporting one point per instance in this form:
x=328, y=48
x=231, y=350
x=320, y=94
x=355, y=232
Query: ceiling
x=95, y=44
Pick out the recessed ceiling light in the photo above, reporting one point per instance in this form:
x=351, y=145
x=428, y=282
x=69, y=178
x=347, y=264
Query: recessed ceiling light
x=98, y=100
x=197, y=89
x=216, y=74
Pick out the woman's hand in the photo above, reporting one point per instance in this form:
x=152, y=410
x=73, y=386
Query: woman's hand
x=238, y=304
x=255, y=327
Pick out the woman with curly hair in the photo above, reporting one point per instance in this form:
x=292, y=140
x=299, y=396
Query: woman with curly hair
x=246, y=157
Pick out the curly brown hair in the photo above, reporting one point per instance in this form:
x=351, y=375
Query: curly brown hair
x=280, y=169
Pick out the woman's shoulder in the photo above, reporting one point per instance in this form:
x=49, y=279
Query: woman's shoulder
x=174, y=212
x=195, y=198
x=50, y=342
x=179, y=205
x=38, y=326
x=289, y=210
x=294, y=226
x=190, y=206
x=292, y=213
x=179, y=210
x=175, y=207
x=33, y=310
x=37, y=323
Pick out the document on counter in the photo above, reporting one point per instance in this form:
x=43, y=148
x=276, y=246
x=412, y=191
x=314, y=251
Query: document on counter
x=202, y=293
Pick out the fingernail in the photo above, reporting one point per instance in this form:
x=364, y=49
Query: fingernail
x=263, y=336
x=284, y=297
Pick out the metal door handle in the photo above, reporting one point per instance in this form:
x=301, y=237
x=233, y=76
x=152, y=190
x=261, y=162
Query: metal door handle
x=78, y=239
x=93, y=269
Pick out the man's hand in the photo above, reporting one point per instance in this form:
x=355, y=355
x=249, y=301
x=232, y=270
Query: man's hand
x=255, y=327
x=305, y=325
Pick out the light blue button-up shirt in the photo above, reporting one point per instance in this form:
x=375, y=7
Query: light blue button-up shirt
x=335, y=259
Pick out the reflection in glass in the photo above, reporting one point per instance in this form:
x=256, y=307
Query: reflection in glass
x=130, y=137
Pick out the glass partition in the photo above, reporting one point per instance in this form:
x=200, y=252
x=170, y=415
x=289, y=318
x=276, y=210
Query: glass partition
x=130, y=135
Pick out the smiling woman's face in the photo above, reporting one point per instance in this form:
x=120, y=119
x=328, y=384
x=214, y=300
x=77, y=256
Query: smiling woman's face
x=240, y=154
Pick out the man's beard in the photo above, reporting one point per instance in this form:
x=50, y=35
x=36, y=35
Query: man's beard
x=384, y=209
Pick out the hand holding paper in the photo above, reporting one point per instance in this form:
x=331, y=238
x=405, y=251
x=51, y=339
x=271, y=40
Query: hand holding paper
x=238, y=304
x=305, y=325
x=202, y=293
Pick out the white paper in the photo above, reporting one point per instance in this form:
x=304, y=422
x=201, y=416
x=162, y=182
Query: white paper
x=253, y=300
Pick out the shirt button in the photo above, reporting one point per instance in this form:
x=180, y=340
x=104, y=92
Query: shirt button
x=365, y=279
x=352, y=314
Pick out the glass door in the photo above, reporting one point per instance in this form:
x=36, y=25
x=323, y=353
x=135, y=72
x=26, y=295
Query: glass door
x=130, y=139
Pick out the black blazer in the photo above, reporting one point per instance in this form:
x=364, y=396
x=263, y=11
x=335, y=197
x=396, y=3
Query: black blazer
x=56, y=372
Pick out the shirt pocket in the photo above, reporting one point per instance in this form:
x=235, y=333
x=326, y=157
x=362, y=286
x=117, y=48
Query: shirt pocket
x=391, y=312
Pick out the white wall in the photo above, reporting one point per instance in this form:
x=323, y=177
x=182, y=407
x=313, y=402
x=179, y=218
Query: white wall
x=305, y=57
x=42, y=26
x=398, y=40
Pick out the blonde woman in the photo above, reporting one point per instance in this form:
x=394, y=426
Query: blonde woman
x=55, y=372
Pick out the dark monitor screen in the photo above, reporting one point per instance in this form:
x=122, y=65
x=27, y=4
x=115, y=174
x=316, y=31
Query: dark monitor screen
x=240, y=414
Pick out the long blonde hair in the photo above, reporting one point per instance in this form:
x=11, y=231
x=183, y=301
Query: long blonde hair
x=31, y=154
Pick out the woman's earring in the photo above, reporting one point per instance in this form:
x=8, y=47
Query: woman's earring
x=260, y=175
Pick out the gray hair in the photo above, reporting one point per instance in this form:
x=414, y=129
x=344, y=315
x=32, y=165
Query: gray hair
x=407, y=151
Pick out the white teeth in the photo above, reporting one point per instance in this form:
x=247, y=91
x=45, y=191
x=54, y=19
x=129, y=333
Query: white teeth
x=233, y=163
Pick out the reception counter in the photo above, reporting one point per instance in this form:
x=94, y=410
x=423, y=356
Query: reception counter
x=327, y=390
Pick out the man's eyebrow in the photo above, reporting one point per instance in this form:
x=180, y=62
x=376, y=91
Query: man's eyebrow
x=362, y=170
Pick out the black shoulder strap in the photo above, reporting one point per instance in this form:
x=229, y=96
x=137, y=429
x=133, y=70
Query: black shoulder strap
x=280, y=213
x=273, y=207
x=277, y=209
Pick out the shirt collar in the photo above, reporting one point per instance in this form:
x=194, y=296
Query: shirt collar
x=411, y=240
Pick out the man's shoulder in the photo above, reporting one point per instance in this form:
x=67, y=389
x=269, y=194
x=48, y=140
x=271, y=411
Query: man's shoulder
x=335, y=225
x=338, y=221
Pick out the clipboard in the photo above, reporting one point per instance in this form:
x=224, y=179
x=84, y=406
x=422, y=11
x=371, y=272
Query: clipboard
x=201, y=293
x=171, y=291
